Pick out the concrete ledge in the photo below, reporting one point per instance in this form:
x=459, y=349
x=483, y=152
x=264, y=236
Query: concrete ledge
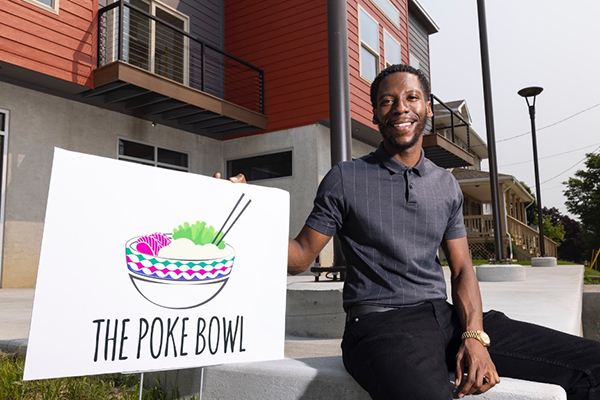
x=501, y=273
x=516, y=389
x=543, y=262
x=314, y=309
x=18, y=346
x=591, y=312
x=321, y=378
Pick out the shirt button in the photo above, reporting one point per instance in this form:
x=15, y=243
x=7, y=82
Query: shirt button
x=410, y=186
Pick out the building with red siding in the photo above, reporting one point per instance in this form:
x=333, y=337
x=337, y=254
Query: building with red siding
x=196, y=86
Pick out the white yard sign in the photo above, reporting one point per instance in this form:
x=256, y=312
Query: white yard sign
x=147, y=269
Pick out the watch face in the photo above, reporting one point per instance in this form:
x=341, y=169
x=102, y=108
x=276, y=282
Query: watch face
x=484, y=338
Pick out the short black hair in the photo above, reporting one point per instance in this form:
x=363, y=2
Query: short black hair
x=399, y=68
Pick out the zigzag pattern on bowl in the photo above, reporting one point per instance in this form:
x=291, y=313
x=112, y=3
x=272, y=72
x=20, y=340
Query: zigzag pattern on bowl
x=166, y=269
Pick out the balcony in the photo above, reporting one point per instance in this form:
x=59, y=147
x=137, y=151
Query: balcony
x=449, y=143
x=151, y=68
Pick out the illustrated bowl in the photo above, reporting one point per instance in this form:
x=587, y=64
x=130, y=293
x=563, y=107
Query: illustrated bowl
x=177, y=283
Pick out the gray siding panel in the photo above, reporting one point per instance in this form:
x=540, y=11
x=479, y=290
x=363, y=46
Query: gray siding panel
x=419, y=43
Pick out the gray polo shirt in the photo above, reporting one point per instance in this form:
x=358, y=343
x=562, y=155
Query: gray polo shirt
x=391, y=220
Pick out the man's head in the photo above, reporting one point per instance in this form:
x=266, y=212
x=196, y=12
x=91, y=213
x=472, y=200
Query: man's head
x=400, y=99
x=398, y=68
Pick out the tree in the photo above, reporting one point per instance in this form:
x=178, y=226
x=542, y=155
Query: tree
x=583, y=199
x=572, y=249
x=564, y=230
x=554, y=231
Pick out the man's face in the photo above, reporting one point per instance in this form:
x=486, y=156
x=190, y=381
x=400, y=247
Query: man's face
x=402, y=110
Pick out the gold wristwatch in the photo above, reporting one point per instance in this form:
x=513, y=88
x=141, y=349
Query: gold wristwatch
x=481, y=336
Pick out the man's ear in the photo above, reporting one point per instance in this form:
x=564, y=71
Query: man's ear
x=375, y=120
x=429, y=110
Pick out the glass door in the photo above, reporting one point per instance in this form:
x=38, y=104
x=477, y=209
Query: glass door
x=154, y=45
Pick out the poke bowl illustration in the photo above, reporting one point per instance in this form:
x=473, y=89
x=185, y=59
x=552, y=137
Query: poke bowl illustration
x=184, y=269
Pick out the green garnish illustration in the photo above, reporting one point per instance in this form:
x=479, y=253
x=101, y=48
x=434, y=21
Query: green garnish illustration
x=200, y=233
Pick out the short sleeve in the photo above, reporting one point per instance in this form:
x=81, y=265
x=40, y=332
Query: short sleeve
x=456, y=222
x=327, y=214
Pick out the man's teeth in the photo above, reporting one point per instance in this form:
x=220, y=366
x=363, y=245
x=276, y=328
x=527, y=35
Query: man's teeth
x=404, y=124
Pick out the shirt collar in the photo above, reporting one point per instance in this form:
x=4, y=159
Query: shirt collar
x=395, y=166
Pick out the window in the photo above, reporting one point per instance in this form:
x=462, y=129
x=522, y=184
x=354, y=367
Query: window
x=369, y=45
x=48, y=5
x=268, y=166
x=153, y=45
x=388, y=9
x=152, y=155
x=392, y=50
x=414, y=61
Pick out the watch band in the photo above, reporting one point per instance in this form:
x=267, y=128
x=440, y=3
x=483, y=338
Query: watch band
x=470, y=334
x=481, y=336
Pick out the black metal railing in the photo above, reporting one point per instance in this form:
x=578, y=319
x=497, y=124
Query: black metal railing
x=453, y=125
x=133, y=35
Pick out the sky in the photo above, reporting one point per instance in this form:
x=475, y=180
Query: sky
x=552, y=44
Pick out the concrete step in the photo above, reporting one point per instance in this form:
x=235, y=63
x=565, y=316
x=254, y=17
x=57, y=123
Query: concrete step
x=314, y=378
x=313, y=368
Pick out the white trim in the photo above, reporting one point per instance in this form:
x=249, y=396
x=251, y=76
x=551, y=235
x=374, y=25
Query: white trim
x=53, y=9
x=385, y=50
x=363, y=44
x=396, y=23
x=433, y=28
x=155, y=162
x=3, y=187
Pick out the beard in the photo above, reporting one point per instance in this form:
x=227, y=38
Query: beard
x=393, y=140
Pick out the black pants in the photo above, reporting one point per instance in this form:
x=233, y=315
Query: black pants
x=406, y=353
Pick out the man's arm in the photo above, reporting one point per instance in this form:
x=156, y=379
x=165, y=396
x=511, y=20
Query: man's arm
x=472, y=355
x=304, y=249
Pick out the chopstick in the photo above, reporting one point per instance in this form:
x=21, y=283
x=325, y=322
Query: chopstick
x=234, y=221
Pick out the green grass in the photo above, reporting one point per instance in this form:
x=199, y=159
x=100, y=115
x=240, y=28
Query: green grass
x=115, y=386
x=591, y=276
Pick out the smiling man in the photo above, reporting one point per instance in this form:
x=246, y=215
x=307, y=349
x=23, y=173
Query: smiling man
x=392, y=210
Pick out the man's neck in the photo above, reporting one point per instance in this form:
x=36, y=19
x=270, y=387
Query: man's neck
x=409, y=157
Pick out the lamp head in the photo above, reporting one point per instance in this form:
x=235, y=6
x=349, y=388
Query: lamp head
x=530, y=91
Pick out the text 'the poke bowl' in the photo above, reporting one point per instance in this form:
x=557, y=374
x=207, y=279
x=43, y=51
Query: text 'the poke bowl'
x=178, y=283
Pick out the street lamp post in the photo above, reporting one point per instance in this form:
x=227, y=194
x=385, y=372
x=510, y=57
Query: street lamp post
x=532, y=92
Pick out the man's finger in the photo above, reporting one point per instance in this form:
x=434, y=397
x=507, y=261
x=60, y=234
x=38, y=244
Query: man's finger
x=239, y=178
x=458, y=373
x=489, y=381
x=470, y=384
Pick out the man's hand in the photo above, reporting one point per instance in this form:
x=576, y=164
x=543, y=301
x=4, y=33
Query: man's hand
x=474, y=358
x=239, y=178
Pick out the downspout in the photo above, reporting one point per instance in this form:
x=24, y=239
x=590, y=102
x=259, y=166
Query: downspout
x=339, y=94
x=506, y=220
